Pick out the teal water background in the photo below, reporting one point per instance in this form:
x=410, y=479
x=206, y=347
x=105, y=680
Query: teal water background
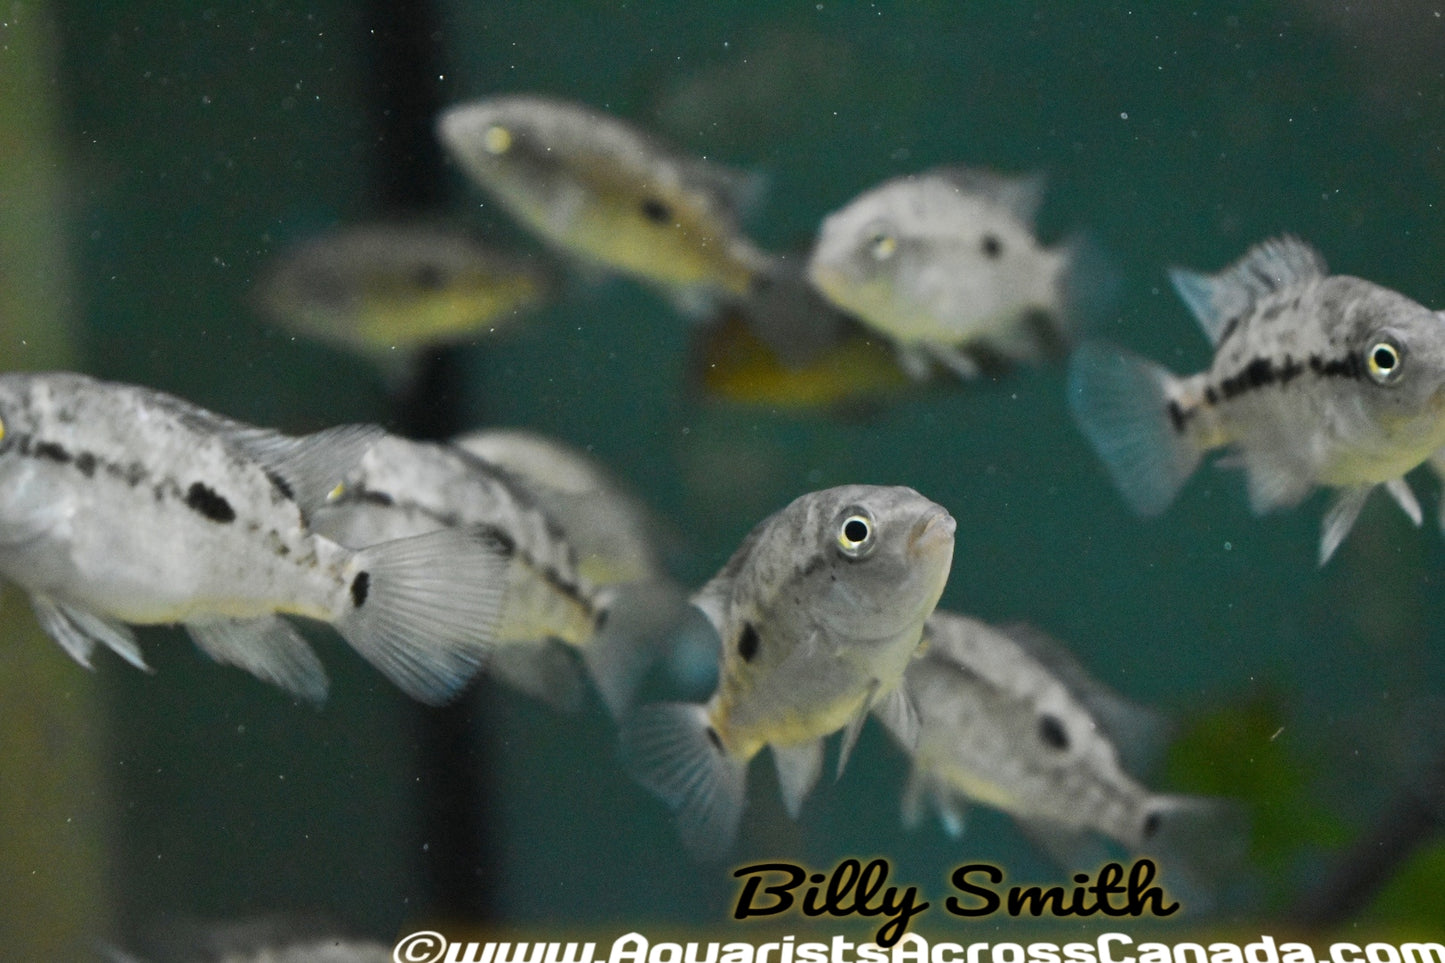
x=203, y=139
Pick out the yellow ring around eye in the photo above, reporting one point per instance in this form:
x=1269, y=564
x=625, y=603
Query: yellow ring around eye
x=497, y=139
x=2, y=429
x=336, y=492
x=853, y=533
x=883, y=246
x=1383, y=362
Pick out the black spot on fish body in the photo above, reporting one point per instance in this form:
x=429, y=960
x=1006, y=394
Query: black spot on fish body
x=208, y=502
x=360, y=588
x=1229, y=328
x=714, y=738
x=55, y=452
x=1272, y=312
x=1210, y=395
x=281, y=485
x=1151, y=825
x=748, y=642
x=656, y=211
x=1051, y=731
x=505, y=543
x=372, y=497
x=86, y=462
x=991, y=246
x=1178, y=417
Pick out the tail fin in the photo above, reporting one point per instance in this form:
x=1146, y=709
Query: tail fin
x=425, y=609
x=636, y=625
x=674, y=752
x=1122, y=405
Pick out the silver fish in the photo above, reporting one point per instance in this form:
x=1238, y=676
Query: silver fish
x=1317, y=380
x=1009, y=719
x=378, y=289
x=403, y=488
x=606, y=192
x=818, y=611
x=946, y=263
x=315, y=950
x=119, y=504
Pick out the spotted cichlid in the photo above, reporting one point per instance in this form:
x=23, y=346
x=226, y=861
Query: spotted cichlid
x=606, y=192
x=119, y=504
x=1317, y=380
x=384, y=288
x=1009, y=719
x=402, y=488
x=819, y=611
x=946, y=264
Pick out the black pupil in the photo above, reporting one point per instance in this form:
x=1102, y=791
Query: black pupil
x=656, y=211
x=1051, y=731
x=1384, y=358
x=992, y=246
x=855, y=530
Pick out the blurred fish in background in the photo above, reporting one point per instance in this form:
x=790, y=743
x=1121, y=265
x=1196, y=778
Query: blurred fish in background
x=946, y=264
x=1008, y=718
x=609, y=194
x=388, y=291
x=278, y=939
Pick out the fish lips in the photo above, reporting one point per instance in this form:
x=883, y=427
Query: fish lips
x=932, y=532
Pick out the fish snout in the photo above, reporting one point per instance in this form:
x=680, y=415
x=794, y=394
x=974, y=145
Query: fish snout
x=932, y=531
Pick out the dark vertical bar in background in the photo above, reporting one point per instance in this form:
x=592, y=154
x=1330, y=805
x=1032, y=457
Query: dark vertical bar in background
x=406, y=62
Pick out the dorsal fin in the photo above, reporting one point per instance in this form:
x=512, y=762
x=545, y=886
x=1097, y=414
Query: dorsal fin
x=1269, y=266
x=1021, y=196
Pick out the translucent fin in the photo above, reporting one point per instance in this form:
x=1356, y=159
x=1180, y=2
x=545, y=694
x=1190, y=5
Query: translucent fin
x=1071, y=849
x=952, y=813
x=798, y=768
x=1400, y=490
x=955, y=360
x=269, y=648
x=637, y=625
x=914, y=802
x=855, y=726
x=311, y=466
x=1121, y=403
x=547, y=671
x=1340, y=518
x=79, y=632
x=1229, y=295
x=429, y=611
x=917, y=363
x=1087, y=287
x=899, y=716
x=1273, y=480
x=671, y=749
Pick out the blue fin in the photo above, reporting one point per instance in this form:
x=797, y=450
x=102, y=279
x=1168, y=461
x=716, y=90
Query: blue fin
x=1121, y=403
x=268, y=647
x=1227, y=296
x=671, y=750
x=429, y=614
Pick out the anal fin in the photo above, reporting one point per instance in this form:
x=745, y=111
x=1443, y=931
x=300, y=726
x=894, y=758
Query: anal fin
x=78, y=632
x=269, y=648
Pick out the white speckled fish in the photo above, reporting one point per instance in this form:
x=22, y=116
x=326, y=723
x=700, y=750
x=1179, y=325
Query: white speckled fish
x=1317, y=380
x=1009, y=719
x=819, y=611
x=945, y=263
x=120, y=504
x=604, y=191
x=403, y=488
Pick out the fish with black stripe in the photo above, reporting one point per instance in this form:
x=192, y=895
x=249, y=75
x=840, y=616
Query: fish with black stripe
x=402, y=488
x=121, y=505
x=819, y=612
x=1317, y=380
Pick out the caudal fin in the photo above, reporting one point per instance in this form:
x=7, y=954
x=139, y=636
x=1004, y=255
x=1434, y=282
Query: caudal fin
x=672, y=750
x=634, y=630
x=425, y=609
x=1198, y=843
x=1122, y=404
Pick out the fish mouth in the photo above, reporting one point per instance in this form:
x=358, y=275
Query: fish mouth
x=933, y=530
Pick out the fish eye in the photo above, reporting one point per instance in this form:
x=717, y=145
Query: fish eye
x=497, y=139
x=882, y=245
x=855, y=533
x=656, y=211
x=1385, y=361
